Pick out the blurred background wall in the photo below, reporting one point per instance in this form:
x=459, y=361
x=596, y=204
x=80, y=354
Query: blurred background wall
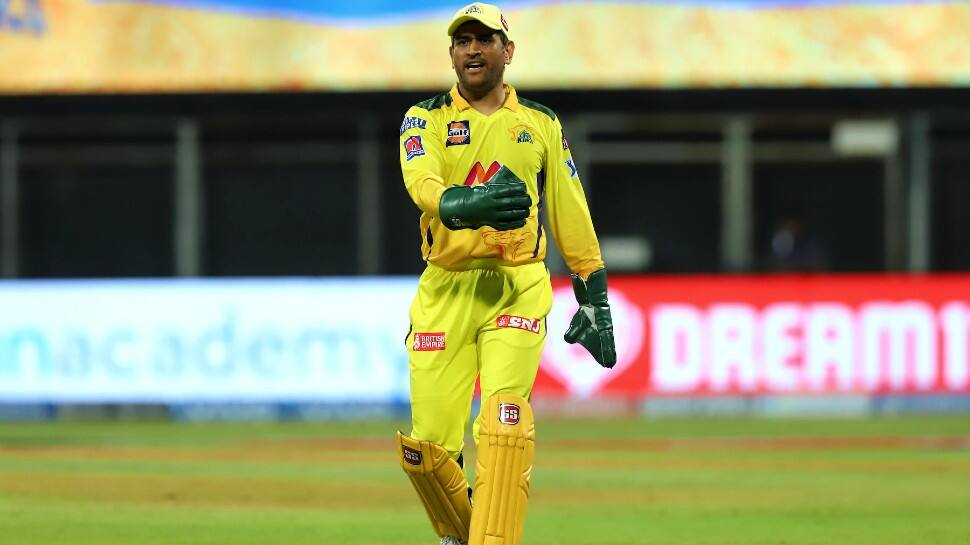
x=203, y=140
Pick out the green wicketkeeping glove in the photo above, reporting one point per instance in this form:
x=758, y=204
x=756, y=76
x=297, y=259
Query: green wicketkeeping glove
x=592, y=325
x=502, y=203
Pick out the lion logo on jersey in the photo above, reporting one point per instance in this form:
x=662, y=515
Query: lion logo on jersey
x=523, y=132
x=508, y=243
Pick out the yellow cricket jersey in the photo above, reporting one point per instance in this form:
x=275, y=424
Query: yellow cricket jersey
x=445, y=142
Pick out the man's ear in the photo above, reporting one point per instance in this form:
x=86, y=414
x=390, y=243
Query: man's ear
x=509, y=52
x=451, y=55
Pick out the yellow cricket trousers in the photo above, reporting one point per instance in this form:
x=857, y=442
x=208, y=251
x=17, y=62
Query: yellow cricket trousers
x=488, y=323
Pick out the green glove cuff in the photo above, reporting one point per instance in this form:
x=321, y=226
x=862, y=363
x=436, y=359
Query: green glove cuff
x=451, y=205
x=596, y=288
x=579, y=289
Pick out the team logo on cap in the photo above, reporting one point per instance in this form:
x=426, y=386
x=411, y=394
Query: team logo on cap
x=459, y=134
x=508, y=414
x=473, y=9
x=413, y=147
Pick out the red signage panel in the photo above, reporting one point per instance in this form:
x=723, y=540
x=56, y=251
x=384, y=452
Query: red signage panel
x=740, y=335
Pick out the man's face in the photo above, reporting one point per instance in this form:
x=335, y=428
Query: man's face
x=479, y=56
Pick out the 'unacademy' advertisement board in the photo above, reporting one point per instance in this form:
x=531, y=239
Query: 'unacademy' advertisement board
x=204, y=341
x=900, y=341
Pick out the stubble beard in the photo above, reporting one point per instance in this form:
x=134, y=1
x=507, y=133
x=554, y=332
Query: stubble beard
x=492, y=79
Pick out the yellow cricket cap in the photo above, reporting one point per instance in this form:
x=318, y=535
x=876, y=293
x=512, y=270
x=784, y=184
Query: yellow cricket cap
x=487, y=14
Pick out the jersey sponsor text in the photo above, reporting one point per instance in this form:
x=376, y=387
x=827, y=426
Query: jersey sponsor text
x=459, y=133
x=412, y=123
x=426, y=342
x=478, y=174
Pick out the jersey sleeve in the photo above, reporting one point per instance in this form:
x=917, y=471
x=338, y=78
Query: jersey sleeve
x=422, y=159
x=569, y=216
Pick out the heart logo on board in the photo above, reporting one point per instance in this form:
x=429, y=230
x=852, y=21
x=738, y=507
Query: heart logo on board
x=571, y=364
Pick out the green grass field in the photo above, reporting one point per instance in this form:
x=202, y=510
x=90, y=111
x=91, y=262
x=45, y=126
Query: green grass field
x=884, y=481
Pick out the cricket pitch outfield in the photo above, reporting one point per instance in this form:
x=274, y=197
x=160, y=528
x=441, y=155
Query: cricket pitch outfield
x=884, y=481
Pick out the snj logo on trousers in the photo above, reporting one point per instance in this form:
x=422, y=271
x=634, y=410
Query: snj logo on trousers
x=508, y=414
x=412, y=456
x=424, y=342
x=518, y=322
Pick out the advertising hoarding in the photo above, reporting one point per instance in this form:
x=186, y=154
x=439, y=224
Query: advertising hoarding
x=735, y=335
x=343, y=340
x=199, y=341
x=139, y=46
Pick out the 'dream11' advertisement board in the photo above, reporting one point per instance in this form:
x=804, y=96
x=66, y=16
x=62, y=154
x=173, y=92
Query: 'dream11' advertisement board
x=150, y=46
x=348, y=340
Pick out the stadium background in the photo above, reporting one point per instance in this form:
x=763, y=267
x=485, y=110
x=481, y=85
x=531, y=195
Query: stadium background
x=202, y=219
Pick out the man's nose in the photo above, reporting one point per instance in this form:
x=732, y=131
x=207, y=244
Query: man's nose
x=474, y=47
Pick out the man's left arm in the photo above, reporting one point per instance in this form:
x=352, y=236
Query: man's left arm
x=572, y=227
x=569, y=216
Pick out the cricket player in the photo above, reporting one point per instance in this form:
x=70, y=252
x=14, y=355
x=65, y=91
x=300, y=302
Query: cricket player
x=485, y=167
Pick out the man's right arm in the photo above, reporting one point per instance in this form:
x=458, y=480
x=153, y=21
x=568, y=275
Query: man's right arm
x=422, y=159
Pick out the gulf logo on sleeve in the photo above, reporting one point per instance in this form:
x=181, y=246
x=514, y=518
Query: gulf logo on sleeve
x=413, y=147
